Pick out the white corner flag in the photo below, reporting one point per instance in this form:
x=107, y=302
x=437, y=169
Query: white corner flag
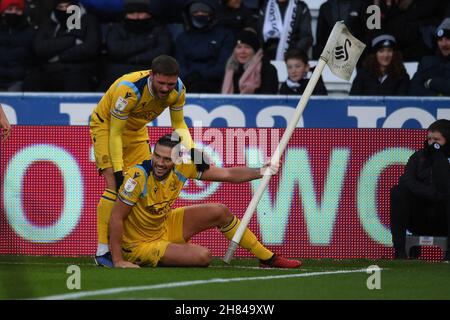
x=341, y=53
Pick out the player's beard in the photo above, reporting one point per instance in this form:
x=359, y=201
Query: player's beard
x=156, y=92
x=162, y=177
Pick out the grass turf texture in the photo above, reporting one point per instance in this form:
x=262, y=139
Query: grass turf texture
x=36, y=277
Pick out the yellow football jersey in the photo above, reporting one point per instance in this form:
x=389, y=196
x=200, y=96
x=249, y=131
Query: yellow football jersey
x=129, y=105
x=129, y=98
x=151, y=199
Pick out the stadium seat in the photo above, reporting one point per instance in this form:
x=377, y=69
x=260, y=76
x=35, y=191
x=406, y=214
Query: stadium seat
x=335, y=85
x=280, y=65
x=418, y=241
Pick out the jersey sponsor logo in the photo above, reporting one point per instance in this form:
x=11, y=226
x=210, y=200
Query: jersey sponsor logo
x=130, y=185
x=146, y=114
x=121, y=104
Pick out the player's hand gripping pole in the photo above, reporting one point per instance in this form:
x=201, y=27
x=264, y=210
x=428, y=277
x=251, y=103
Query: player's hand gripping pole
x=275, y=158
x=347, y=49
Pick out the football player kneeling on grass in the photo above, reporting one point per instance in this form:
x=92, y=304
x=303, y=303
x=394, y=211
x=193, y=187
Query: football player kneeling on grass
x=146, y=231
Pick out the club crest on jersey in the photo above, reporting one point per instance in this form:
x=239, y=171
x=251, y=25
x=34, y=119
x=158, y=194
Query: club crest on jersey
x=121, y=104
x=130, y=185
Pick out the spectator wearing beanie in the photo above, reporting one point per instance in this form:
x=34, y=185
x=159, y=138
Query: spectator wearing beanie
x=67, y=53
x=382, y=72
x=134, y=43
x=16, y=38
x=433, y=73
x=247, y=72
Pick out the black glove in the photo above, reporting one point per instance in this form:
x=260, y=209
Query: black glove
x=118, y=176
x=200, y=160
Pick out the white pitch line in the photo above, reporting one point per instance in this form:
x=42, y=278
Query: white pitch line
x=188, y=283
x=47, y=263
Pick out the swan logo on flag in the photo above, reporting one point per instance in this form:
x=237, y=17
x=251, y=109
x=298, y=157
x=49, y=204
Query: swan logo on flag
x=342, y=51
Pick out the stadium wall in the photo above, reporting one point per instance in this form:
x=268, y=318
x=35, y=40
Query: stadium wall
x=330, y=199
x=242, y=111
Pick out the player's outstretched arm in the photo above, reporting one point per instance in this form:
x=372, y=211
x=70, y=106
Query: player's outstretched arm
x=119, y=212
x=239, y=174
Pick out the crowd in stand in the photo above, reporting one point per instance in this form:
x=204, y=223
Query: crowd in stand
x=223, y=46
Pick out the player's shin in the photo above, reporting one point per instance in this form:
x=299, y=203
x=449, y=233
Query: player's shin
x=104, y=209
x=248, y=241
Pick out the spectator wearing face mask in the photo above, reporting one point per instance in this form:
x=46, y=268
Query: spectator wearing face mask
x=133, y=44
x=16, y=37
x=67, y=51
x=203, y=48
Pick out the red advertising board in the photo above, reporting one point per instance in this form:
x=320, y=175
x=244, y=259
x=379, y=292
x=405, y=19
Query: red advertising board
x=329, y=200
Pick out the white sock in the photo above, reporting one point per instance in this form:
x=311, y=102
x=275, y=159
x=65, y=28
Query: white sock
x=102, y=249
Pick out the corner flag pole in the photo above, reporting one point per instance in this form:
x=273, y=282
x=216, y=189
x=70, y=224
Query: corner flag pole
x=339, y=35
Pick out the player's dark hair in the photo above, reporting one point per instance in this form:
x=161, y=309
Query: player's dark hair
x=169, y=140
x=165, y=65
x=296, y=54
x=442, y=126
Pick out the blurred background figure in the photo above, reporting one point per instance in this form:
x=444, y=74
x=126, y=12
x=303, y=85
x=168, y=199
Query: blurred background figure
x=412, y=23
x=133, y=44
x=16, y=39
x=203, y=48
x=382, y=72
x=350, y=11
x=433, y=73
x=5, y=126
x=236, y=16
x=38, y=11
x=298, y=69
x=284, y=24
x=247, y=72
x=67, y=55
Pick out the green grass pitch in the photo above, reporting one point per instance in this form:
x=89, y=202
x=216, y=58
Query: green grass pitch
x=46, y=277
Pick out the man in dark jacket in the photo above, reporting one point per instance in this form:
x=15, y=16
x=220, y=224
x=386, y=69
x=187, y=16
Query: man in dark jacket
x=203, y=48
x=133, y=44
x=67, y=51
x=16, y=37
x=433, y=73
x=420, y=202
x=236, y=16
x=350, y=11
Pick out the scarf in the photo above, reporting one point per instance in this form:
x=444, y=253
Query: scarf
x=250, y=80
x=277, y=27
x=292, y=84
